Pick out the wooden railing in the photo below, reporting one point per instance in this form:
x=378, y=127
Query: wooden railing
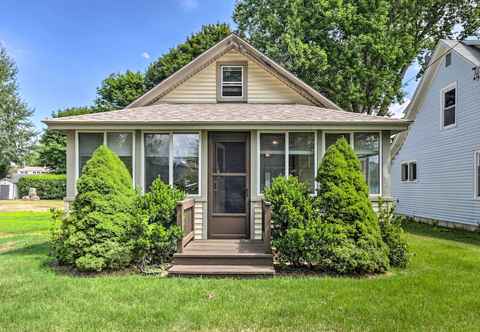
x=185, y=220
x=267, y=225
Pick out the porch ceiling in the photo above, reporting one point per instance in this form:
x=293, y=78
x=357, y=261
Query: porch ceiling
x=226, y=114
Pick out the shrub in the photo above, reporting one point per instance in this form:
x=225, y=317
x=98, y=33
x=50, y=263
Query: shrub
x=155, y=228
x=94, y=236
x=349, y=238
x=393, y=235
x=49, y=186
x=292, y=209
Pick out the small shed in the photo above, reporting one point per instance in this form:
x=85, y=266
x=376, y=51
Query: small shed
x=7, y=189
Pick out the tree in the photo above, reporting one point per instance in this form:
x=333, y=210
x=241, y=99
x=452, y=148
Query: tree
x=16, y=130
x=52, y=146
x=354, y=52
x=349, y=225
x=179, y=56
x=119, y=90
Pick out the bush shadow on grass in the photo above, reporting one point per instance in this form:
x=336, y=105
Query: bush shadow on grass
x=458, y=235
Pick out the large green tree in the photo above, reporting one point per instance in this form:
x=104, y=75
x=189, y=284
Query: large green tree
x=51, y=150
x=16, y=129
x=355, y=52
x=119, y=90
x=179, y=56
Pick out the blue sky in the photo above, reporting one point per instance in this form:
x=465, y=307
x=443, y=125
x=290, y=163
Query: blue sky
x=64, y=49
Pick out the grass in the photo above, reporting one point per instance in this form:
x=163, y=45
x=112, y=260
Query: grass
x=22, y=205
x=438, y=292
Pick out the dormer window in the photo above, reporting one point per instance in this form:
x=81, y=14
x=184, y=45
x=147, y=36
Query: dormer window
x=232, y=82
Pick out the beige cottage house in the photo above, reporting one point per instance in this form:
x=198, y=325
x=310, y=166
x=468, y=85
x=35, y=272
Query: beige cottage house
x=222, y=128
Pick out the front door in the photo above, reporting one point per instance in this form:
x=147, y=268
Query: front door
x=228, y=185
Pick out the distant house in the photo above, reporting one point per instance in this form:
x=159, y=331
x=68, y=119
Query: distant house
x=8, y=185
x=436, y=164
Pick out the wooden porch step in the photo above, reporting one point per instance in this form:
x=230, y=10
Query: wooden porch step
x=222, y=270
x=222, y=258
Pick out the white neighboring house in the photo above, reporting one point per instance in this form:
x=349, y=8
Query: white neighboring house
x=8, y=186
x=436, y=164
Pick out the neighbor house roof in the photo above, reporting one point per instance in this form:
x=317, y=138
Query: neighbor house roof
x=469, y=50
x=233, y=42
x=226, y=114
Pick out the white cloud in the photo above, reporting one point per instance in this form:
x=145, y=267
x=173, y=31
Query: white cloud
x=188, y=4
x=397, y=109
x=145, y=55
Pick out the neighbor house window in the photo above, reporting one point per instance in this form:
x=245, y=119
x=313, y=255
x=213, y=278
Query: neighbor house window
x=367, y=148
x=174, y=158
x=412, y=171
x=448, y=59
x=404, y=171
x=119, y=142
x=449, y=100
x=477, y=175
x=287, y=154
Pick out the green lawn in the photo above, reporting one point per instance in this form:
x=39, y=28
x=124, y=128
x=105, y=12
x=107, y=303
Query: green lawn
x=439, y=291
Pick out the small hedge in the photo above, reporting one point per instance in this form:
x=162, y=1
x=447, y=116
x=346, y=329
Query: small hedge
x=49, y=186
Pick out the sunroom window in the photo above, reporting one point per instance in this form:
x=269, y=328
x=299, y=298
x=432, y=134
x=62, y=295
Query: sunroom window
x=122, y=145
x=287, y=154
x=87, y=144
x=174, y=158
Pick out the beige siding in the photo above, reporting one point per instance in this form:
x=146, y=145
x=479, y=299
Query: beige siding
x=262, y=86
x=198, y=220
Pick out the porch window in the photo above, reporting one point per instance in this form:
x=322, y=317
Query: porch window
x=87, y=144
x=231, y=82
x=174, y=157
x=122, y=145
x=287, y=154
x=367, y=148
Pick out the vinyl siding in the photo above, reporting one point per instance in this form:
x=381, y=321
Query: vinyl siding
x=444, y=189
x=262, y=86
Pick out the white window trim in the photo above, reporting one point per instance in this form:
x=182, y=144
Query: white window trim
x=104, y=132
x=446, y=89
x=170, y=157
x=476, y=187
x=380, y=135
x=286, y=133
x=234, y=83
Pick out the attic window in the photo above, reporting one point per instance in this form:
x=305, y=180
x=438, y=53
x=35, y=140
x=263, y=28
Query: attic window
x=232, y=82
x=448, y=59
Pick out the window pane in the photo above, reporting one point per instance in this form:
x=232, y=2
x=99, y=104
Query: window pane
x=272, y=158
x=229, y=194
x=449, y=116
x=185, y=162
x=156, y=158
x=404, y=172
x=230, y=157
x=87, y=144
x=301, y=158
x=367, y=148
x=122, y=145
x=332, y=138
x=412, y=171
x=232, y=74
x=231, y=91
x=449, y=98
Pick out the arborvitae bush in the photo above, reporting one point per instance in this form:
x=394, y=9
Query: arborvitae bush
x=155, y=228
x=350, y=240
x=95, y=235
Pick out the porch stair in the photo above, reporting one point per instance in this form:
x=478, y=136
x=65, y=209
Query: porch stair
x=247, y=258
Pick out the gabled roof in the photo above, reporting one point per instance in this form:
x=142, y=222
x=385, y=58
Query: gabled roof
x=469, y=50
x=233, y=115
x=233, y=42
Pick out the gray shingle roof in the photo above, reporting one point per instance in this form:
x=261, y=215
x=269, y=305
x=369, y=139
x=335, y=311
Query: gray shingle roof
x=225, y=114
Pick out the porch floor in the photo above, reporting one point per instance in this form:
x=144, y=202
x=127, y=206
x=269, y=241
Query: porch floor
x=223, y=258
